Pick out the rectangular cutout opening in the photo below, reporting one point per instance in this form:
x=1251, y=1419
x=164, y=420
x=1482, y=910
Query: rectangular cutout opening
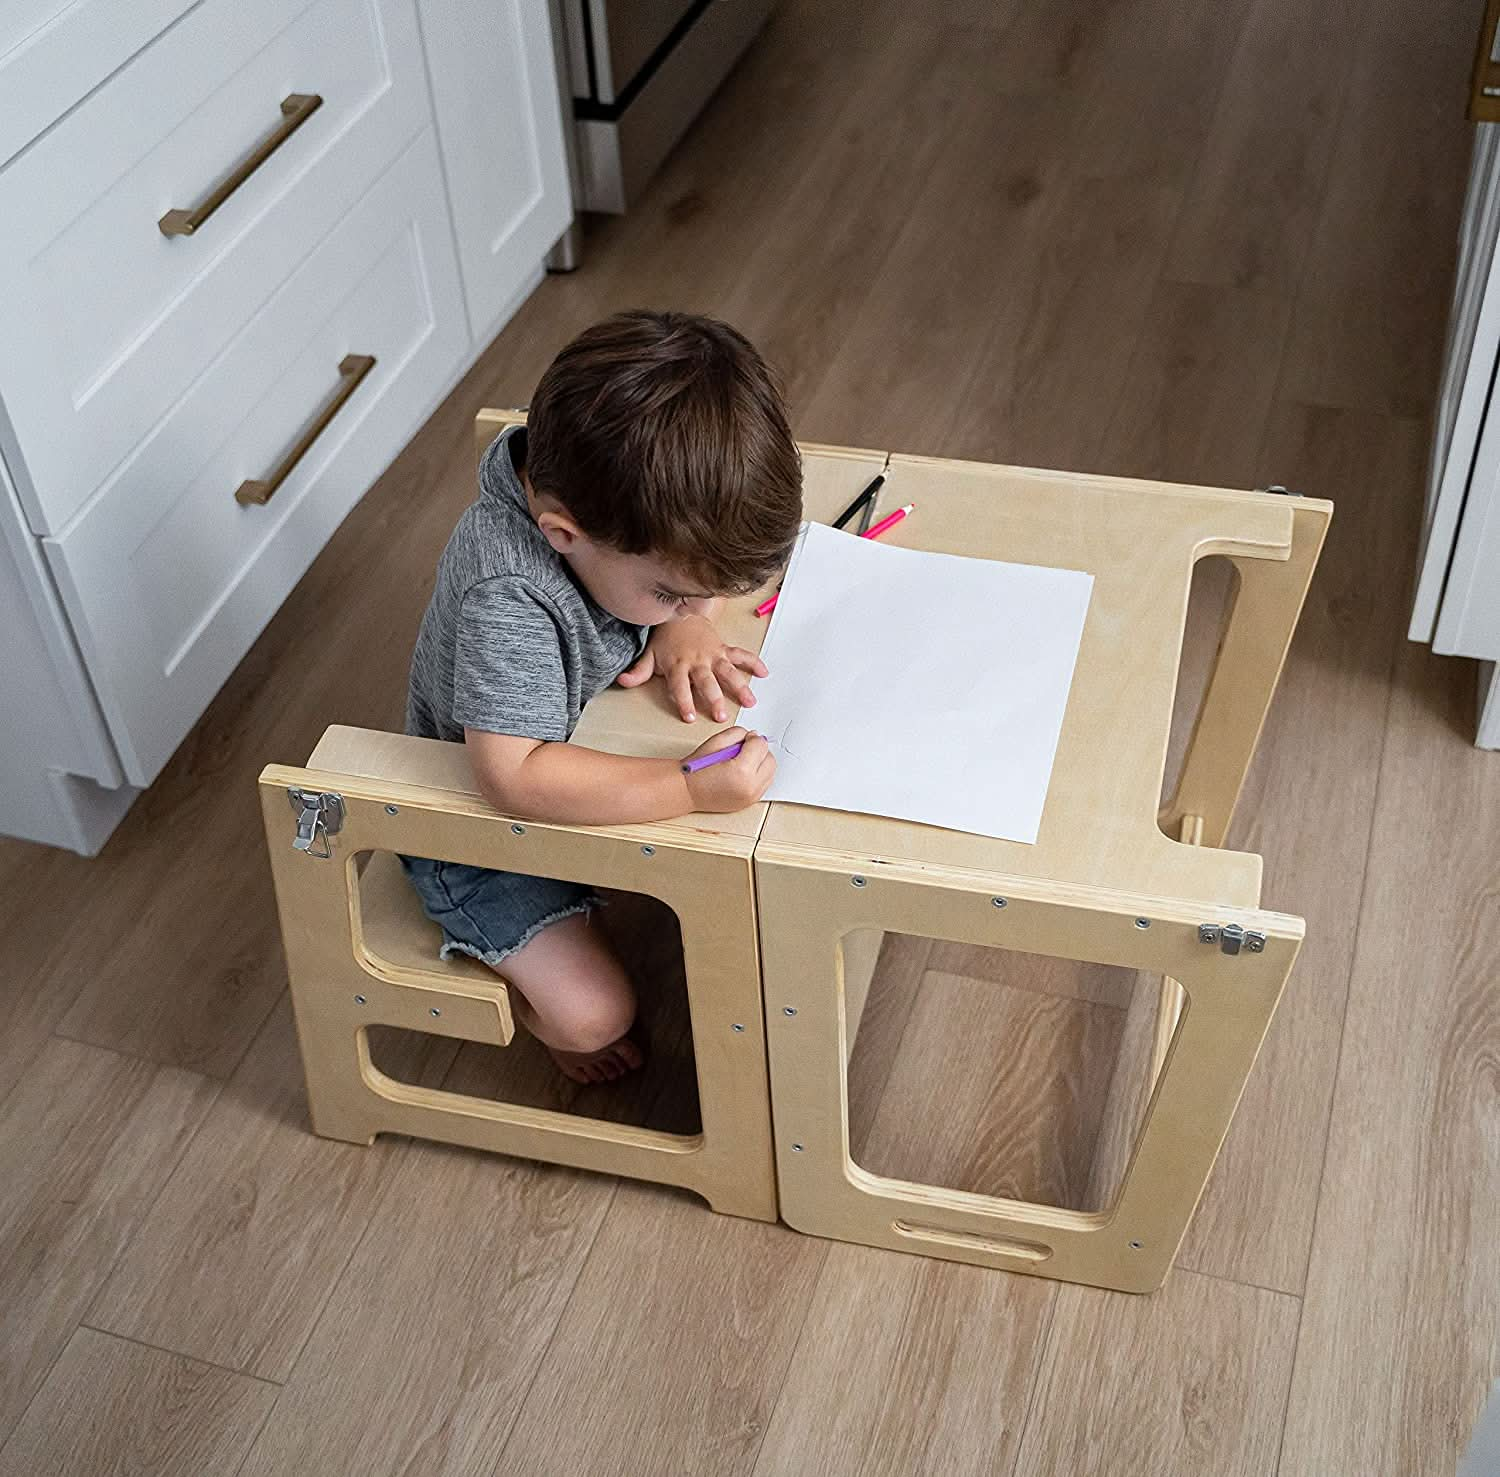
x=644, y=932
x=997, y=1072
x=1211, y=600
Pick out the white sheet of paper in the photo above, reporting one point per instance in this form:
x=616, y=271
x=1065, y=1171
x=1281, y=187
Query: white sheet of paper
x=922, y=686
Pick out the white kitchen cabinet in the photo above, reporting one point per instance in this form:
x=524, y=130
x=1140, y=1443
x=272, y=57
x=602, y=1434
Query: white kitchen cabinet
x=499, y=114
x=1457, y=602
x=155, y=385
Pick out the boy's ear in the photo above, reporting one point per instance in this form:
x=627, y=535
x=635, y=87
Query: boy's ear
x=559, y=530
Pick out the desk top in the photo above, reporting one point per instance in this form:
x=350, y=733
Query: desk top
x=1138, y=539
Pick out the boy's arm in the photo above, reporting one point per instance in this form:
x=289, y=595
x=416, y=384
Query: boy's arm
x=690, y=655
x=569, y=785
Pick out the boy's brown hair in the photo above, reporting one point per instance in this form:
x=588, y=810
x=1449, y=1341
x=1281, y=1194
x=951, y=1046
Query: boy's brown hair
x=665, y=434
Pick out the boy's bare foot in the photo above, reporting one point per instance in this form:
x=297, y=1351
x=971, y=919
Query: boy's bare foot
x=608, y=1065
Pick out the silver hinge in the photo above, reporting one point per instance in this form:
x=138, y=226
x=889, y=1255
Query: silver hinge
x=1231, y=937
x=320, y=814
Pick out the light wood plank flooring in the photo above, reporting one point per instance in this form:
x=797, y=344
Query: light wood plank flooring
x=1204, y=242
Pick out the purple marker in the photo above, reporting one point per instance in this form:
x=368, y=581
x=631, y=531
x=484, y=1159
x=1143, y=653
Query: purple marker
x=692, y=766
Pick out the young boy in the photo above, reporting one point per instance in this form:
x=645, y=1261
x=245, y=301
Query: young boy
x=655, y=475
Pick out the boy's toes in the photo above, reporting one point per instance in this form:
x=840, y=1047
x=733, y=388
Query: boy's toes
x=629, y=1054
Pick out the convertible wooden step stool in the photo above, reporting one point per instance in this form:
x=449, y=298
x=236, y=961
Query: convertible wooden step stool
x=361, y=953
x=796, y=899
x=1113, y=878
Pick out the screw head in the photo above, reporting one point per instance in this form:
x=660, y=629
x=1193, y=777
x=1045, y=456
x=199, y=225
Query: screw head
x=359, y=999
x=1135, y=1245
x=737, y=1026
x=1000, y=902
x=518, y=829
x=1143, y=923
x=648, y=851
x=789, y=1010
x=393, y=810
x=796, y=1148
x=434, y=1011
x=857, y=881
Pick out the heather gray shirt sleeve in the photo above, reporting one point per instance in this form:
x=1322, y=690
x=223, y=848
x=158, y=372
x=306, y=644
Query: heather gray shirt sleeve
x=508, y=671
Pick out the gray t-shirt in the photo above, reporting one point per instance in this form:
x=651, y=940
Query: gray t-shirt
x=511, y=642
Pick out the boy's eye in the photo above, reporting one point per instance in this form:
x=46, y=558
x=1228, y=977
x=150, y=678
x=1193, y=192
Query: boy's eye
x=668, y=598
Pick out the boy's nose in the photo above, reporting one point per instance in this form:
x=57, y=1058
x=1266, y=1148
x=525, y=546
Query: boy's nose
x=692, y=605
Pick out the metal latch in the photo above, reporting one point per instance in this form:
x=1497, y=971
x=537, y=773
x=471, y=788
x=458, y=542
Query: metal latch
x=1231, y=937
x=320, y=814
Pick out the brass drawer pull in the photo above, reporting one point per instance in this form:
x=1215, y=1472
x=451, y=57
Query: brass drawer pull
x=296, y=110
x=352, y=369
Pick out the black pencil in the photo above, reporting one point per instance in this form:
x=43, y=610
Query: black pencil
x=860, y=501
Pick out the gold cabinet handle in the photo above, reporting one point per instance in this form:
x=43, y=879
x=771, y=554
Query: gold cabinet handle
x=1484, y=90
x=352, y=369
x=295, y=111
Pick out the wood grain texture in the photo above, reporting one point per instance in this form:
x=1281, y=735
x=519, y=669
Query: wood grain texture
x=931, y=1388
x=1405, y=1258
x=447, y=1305
x=1310, y=801
x=86, y=1140
x=240, y=1251
x=1253, y=198
x=1370, y=317
x=1016, y=1111
x=673, y=1349
x=1199, y=387
x=111, y=1408
x=1181, y=1384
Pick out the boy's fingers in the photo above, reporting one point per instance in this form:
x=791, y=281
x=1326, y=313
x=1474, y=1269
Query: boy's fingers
x=747, y=661
x=640, y=672
x=709, y=693
x=734, y=682
x=680, y=685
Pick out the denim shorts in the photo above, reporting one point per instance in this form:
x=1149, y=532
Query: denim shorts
x=488, y=914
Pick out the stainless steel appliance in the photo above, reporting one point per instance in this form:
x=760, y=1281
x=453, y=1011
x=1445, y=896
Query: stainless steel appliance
x=640, y=71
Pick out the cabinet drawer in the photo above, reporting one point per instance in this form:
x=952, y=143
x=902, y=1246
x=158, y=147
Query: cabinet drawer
x=110, y=320
x=167, y=577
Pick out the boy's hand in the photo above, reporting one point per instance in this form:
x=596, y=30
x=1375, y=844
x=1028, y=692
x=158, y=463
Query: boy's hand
x=736, y=782
x=692, y=657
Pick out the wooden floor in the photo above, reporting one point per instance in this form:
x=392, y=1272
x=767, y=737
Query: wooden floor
x=1208, y=242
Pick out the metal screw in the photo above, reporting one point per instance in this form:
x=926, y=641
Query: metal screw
x=1000, y=902
x=648, y=851
x=737, y=1027
x=789, y=1010
x=359, y=999
x=1208, y=933
x=1143, y=923
x=796, y=1148
x=518, y=830
x=1135, y=1245
x=857, y=881
x=393, y=810
x=434, y=1011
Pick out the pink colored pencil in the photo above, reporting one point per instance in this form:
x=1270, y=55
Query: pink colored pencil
x=767, y=606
